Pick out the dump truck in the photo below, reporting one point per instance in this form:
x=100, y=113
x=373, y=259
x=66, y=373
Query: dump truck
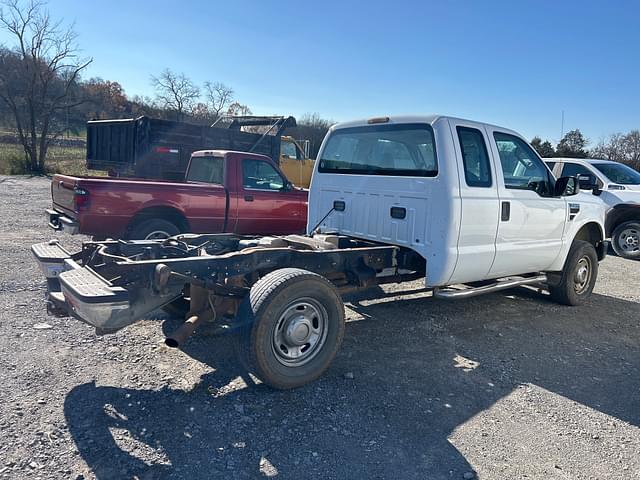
x=159, y=149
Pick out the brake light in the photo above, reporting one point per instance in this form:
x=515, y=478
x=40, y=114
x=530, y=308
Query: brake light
x=378, y=120
x=166, y=150
x=80, y=198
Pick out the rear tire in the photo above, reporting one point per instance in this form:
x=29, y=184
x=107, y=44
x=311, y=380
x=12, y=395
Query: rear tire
x=295, y=326
x=153, y=229
x=578, y=277
x=625, y=240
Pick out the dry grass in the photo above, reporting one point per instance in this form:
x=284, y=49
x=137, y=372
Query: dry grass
x=69, y=160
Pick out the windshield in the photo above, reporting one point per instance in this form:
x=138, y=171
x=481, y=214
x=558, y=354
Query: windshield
x=288, y=149
x=403, y=149
x=619, y=173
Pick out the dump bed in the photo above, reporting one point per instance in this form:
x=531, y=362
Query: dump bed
x=154, y=148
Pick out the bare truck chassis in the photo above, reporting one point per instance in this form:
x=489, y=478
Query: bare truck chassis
x=282, y=294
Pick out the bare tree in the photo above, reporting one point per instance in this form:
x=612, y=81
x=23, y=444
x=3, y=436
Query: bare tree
x=620, y=147
x=176, y=92
x=38, y=76
x=632, y=149
x=611, y=148
x=218, y=96
x=237, y=108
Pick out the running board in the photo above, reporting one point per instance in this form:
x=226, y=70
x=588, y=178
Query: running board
x=451, y=293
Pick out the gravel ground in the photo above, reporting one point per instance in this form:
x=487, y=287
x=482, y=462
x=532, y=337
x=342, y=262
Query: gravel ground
x=507, y=385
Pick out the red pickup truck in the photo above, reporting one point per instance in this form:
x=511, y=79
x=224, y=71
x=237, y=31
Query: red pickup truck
x=224, y=191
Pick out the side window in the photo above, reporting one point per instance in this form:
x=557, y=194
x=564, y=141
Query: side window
x=477, y=171
x=521, y=166
x=573, y=169
x=206, y=170
x=259, y=175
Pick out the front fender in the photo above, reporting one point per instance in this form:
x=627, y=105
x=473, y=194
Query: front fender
x=621, y=213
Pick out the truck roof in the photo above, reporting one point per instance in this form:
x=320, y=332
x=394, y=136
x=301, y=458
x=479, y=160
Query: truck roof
x=222, y=153
x=592, y=161
x=428, y=119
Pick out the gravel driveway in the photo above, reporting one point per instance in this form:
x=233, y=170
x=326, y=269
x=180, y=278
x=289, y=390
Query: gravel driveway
x=508, y=385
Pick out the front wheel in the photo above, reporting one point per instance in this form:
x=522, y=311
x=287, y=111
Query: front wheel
x=625, y=240
x=295, y=325
x=575, y=283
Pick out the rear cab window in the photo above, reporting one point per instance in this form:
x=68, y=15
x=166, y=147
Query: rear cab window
x=406, y=149
x=477, y=170
x=206, y=169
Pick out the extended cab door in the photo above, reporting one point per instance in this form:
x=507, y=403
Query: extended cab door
x=265, y=204
x=480, y=203
x=532, y=221
x=206, y=196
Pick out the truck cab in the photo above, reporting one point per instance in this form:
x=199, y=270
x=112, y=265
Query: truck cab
x=474, y=200
x=295, y=161
x=619, y=188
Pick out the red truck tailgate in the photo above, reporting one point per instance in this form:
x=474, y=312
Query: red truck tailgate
x=62, y=187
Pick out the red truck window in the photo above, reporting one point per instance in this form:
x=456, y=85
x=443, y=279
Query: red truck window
x=259, y=175
x=206, y=169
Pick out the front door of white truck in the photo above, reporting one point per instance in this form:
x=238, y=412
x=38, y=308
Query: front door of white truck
x=532, y=221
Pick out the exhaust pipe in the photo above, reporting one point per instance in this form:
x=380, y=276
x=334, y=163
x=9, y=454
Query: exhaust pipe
x=199, y=311
x=182, y=333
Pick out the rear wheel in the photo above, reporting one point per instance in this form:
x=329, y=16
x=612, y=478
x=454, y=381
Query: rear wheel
x=625, y=240
x=295, y=327
x=153, y=229
x=575, y=283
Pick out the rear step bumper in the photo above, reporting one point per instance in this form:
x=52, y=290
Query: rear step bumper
x=82, y=293
x=59, y=221
x=51, y=256
x=451, y=293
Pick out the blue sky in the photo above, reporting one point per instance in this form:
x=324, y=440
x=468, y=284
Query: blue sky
x=514, y=63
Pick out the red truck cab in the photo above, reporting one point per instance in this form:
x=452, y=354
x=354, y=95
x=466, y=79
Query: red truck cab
x=224, y=191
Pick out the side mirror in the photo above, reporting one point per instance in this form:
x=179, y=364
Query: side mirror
x=288, y=186
x=567, y=186
x=589, y=182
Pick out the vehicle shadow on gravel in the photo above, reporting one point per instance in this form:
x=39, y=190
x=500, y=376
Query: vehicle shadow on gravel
x=409, y=373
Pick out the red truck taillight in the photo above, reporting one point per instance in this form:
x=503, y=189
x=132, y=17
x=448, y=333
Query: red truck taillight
x=80, y=198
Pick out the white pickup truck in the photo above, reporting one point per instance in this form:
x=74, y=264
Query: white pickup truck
x=467, y=206
x=619, y=188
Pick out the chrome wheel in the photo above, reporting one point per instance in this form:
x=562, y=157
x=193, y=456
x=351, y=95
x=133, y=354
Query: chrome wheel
x=300, y=332
x=157, y=235
x=629, y=240
x=582, y=277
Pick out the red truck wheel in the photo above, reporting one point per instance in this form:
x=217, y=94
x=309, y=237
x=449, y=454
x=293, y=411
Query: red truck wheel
x=153, y=229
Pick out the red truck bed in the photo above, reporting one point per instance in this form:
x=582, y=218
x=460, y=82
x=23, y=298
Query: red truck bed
x=224, y=192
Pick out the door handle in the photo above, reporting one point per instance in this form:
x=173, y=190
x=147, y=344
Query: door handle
x=505, y=213
x=248, y=198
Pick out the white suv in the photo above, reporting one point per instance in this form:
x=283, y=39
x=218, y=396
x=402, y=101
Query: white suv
x=619, y=187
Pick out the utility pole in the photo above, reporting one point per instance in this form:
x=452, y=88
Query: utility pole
x=562, y=126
